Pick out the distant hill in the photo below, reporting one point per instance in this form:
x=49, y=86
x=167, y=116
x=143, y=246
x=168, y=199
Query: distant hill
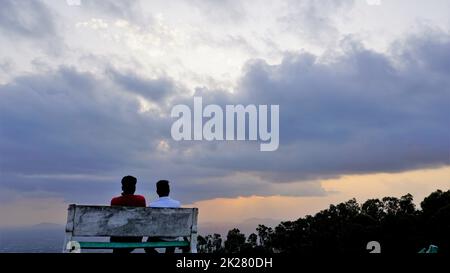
x=49, y=237
x=44, y=238
x=247, y=226
x=47, y=226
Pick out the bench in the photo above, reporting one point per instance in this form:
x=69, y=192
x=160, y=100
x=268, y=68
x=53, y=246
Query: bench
x=106, y=221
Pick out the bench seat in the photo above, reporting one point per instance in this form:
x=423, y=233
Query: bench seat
x=116, y=221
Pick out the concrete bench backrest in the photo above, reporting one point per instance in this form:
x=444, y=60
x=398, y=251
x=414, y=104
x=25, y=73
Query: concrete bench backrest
x=131, y=221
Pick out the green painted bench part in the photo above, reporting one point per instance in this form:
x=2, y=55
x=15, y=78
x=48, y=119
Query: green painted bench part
x=432, y=249
x=106, y=221
x=107, y=245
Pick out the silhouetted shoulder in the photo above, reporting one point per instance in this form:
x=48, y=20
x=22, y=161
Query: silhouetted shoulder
x=141, y=199
x=129, y=200
x=115, y=201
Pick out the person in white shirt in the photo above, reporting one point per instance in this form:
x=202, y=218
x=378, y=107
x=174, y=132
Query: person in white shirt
x=164, y=201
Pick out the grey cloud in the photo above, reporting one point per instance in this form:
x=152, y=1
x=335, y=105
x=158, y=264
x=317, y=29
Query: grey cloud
x=221, y=11
x=427, y=49
x=30, y=21
x=6, y=66
x=68, y=122
x=314, y=20
x=27, y=18
x=129, y=10
x=360, y=112
x=363, y=112
x=152, y=89
x=73, y=134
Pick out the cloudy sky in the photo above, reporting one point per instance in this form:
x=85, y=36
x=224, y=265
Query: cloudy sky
x=86, y=93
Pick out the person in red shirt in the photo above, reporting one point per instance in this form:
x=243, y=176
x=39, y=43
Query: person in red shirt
x=128, y=199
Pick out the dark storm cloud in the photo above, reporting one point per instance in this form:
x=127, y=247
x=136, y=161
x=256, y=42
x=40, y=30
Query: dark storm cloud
x=66, y=122
x=75, y=134
x=363, y=112
x=152, y=89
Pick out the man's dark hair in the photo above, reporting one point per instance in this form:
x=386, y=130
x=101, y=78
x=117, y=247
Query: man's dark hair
x=162, y=188
x=129, y=184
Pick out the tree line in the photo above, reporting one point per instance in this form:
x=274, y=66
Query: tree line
x=346, y=228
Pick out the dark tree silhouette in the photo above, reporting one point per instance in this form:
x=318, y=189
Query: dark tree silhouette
x=347, y=228
x=235, y=241
x=210, y=244
x=252, y=240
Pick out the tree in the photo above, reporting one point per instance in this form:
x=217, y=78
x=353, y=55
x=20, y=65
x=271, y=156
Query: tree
x=210, y=244
x=373, y=208
x=201, y=244
x=264, y=234
x=434, y=202
x=436, y=219
x=235, y=241
x=348, y=227
x=252, y=240
x=406, y=205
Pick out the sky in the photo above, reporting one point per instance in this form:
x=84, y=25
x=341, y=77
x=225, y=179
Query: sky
x=86, y=93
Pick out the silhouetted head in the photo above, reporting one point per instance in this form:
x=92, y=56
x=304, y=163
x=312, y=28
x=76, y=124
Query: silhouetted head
x=162, y=188
x=129, y=184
